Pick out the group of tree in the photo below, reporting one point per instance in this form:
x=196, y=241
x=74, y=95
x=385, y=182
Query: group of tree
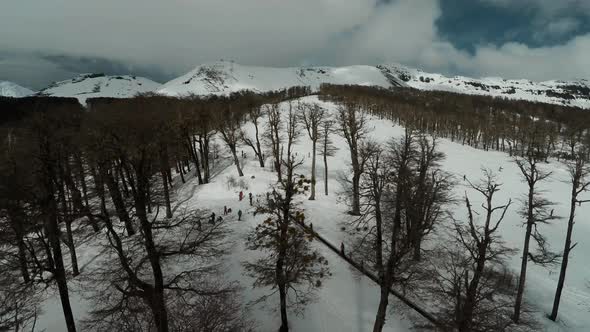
x=68, y=173
x=472, y=271
x=514, y=126
x=290, y=266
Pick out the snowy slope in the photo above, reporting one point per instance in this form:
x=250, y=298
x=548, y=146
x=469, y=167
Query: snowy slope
x=347, y=302
x=225, y=77
x=10, y=89
x=98, y=85
x=570, y=93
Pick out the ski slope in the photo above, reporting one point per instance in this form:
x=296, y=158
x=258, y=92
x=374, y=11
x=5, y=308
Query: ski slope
x=10, y=89
x=98, y=85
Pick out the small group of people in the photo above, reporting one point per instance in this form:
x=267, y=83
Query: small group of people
x=250, y=196
x=227, y=211
x=213, y=220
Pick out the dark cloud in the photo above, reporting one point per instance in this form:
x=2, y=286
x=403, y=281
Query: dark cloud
x=37, y=70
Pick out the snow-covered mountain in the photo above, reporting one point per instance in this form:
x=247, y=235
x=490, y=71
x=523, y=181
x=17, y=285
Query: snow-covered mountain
x=571, y=93
x=225, y=77
x=10, y=89
x=99, y=85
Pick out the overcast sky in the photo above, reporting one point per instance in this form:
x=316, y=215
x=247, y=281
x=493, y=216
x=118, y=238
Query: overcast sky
x=43, y=41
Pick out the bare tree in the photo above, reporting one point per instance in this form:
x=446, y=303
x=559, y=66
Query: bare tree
x=579, y=171
x=382, y=232
x=273, y=136
x=254, y=115
x=396, y=247
x=429, y=194
x=352, y=121
x=312, y=116
x=230, y=128
x=188, y=249
x=290, y=267
x=474, y=280
x=43, y=133
x=328, y=149
x=536, y=211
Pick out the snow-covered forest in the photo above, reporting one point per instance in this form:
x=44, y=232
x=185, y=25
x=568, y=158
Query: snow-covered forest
x=337, y=208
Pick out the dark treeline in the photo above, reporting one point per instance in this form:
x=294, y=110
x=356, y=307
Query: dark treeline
x=488, y=123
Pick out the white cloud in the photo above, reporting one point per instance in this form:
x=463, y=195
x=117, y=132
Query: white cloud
x=179, y=34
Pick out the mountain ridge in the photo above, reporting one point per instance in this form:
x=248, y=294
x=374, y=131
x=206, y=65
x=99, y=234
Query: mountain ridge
x=92, y=85
x=11, y=89
x=224, y=77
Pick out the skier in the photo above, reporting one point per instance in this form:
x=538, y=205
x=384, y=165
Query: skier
x=342, y=248
x=250, y=196
x=225, y=210
x=241, y=195
x=239, y=215
x=212, y=221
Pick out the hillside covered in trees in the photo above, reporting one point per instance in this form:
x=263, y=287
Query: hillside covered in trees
x=335, y=208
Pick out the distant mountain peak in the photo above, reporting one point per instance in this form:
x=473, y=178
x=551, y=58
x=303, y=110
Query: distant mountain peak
x=10, y=89
x=92, y=85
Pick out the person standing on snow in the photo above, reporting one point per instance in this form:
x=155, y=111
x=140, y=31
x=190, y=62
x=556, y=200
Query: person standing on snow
x=239, y=215
x=250, y=196
x=241, y=195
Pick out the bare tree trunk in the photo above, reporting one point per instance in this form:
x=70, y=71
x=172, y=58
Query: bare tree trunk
x=22, y=259
x=523, y=270
x=326, y=174
x=382, y=310
x=72, y=248
x=117, y=199
x=157, y=301
x=181, y=171
x=66, y=215
x=166, y=194
x=193, y=152
x=260, y=157
x=313, y=177
x=356, y=199
x=282, y=295
x=49, y=208
x=568, y=242
x=236, y=160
